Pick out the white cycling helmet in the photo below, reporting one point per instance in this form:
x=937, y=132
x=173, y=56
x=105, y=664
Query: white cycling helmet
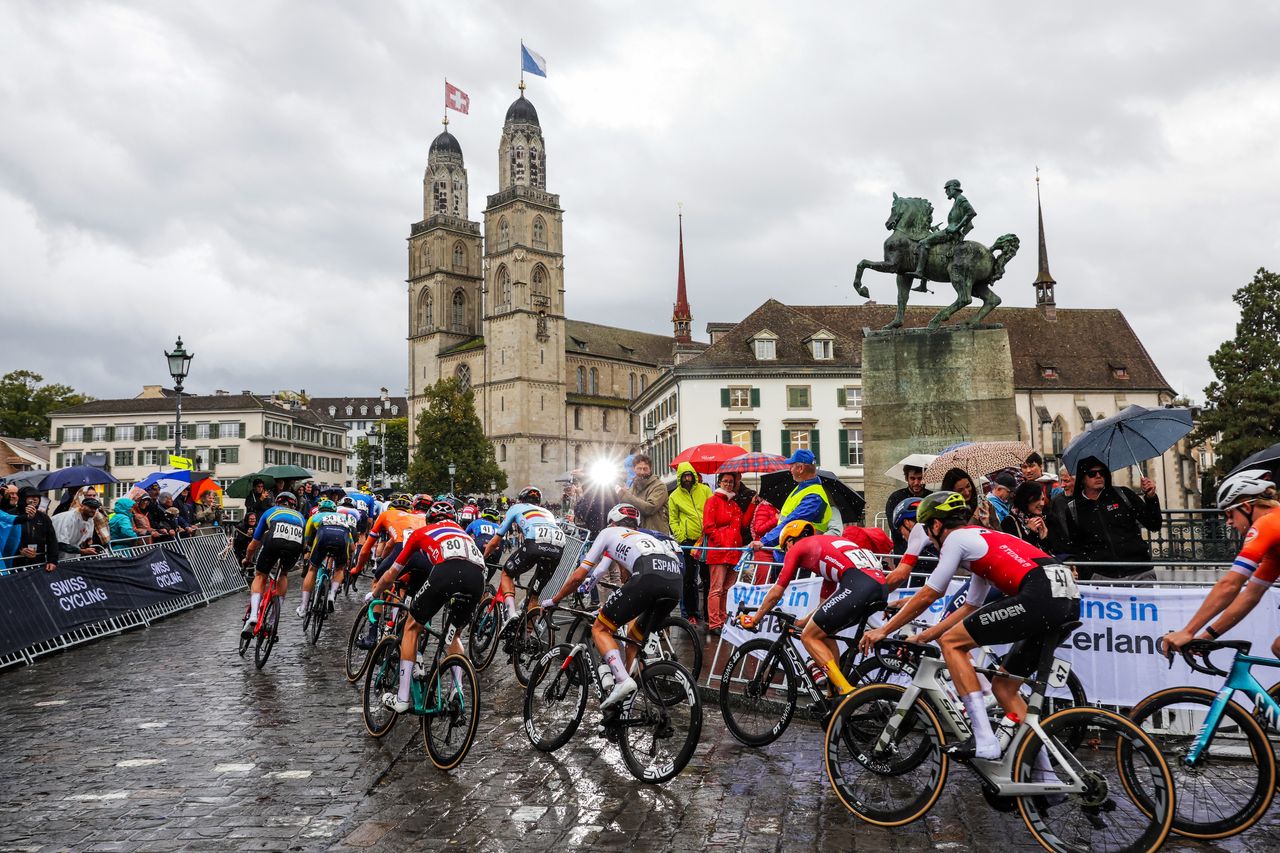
x=1243, y=486
x=624, y=515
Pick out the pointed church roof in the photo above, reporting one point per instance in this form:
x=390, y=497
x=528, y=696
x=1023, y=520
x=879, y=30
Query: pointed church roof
x=681, y=312
x=1043, y=276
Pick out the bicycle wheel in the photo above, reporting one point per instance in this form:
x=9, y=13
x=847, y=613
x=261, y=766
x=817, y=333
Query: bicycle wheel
x=1230, y=787
x=357, y=657
x=1105, y=817
x=382, y=675
x=887, y=785
x=267, y=636
x=556, y=697
x=482, y=643
x=678, y=641
x=453, y=711
x=532, y=639
x=1273, y=732
x=876, y=670
x=658, y=733
x=244, y=641
x=318, y=611
x=757, y=693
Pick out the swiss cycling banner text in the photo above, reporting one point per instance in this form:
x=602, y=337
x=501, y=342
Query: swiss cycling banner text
x=36, y=605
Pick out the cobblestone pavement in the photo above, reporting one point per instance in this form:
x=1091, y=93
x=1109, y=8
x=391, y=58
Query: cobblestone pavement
x=165, y=739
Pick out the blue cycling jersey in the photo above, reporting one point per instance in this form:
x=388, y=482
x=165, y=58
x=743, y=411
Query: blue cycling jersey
x=482, y=530
x=528, y=517
x=277, y=515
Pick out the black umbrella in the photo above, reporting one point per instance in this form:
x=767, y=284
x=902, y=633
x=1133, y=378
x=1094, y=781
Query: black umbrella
x=775, y=488
x=1269, y=459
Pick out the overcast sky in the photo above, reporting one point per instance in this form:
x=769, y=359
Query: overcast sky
x=244, y=173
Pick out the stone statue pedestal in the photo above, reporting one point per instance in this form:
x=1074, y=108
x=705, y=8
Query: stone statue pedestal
x=926, y=390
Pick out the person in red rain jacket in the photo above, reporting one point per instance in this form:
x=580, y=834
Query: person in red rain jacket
x=764, y=518
x=722, y=528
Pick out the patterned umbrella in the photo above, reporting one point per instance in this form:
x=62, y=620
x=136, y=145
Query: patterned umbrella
x=754, y=463
x=707, y=458
x=978, y=459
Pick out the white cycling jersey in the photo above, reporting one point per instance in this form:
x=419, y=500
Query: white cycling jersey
x=627, y=548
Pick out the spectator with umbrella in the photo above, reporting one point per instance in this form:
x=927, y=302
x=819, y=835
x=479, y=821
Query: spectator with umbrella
x=722, y=528
x=1105, y=521
x=808, y=501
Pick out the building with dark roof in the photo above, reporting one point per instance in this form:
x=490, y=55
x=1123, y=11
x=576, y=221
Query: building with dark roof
x=361, y=416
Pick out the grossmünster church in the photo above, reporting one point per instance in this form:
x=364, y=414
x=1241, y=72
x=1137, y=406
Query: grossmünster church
x=487, y=304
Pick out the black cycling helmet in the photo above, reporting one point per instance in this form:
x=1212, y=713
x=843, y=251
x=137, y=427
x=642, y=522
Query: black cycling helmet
x=530, y=495
x=289, y=497
x=442, y=511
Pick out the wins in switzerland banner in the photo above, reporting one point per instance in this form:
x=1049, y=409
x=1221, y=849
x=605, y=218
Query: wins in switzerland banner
x=36, y=605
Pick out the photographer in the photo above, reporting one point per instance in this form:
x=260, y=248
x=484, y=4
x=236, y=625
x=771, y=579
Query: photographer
x=648, y=494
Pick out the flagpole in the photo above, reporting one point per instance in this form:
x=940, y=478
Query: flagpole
x=521, y=66
x=445, y=120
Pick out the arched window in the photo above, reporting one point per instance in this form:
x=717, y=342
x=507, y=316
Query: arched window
x=502, y=453
x=582, y=380
x=539, y=231
x=504, y=232
x=458, y=312
x=424, y=311
x=463, y=372
x=644, y=383
x=595, y=381
x=423, y=257
x=459, y=257
x=631, y=386
x=539, y=280
x=1059, y=434
x=504, y=288
x=535, y=167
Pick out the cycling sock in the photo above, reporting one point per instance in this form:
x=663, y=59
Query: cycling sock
x=457, y=674
x=983, y=738
x=255, y=600
x=306, y=597
x=837, y=678
x=406, y=674
x=511, y=605
x=614, y=659
x=333, y=590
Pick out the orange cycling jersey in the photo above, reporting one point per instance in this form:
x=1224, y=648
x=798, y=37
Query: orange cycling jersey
x=1259, y=559
x=395, y=524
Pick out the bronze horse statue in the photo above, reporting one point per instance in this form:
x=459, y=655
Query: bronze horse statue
x=971, y=267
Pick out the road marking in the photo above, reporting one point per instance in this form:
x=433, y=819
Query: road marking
x=111, y=795
x=233, y=768
x=290, y=774
x=355, y=709
x=152, y=725
x=141, y=762
x=49, y=703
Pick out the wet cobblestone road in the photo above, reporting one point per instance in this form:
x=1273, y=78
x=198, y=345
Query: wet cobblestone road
x=165, y=739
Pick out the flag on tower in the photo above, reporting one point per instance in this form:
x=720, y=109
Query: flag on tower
x=532, y=62
x=456, y=99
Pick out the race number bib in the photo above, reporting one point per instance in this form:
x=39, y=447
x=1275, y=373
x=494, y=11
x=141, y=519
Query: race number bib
x=461, y=548
x=1058, y=673
x=548, y=535
x=1061, y=582
x=287, y=533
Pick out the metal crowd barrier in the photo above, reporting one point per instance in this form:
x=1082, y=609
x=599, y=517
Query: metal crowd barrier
x=216, y=571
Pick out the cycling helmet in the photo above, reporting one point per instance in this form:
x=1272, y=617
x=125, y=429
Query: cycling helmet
x=421, y=503
x=490, y=514
x=794, y=530
x=347, y=501
x=530, y=495
x=287, y=497
x=624, y=515
x=442, y=511
x=943, y=506
x=401, y=502
x=905, y=511
x=326, y=505
x=1242, y=487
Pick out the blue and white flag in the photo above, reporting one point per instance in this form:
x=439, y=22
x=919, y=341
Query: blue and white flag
x=532, y=62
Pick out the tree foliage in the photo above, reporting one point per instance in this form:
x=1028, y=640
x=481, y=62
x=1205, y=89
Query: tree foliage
x=1242, y=407
x=449, y=431
x=369, y=458
x=25, y=404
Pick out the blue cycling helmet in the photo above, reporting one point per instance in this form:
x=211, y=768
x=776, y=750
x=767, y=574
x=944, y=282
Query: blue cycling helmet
x=905, y=511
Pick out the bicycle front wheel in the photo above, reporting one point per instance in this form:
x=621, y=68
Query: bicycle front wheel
x=453, y=712
x=1106, y=817
x=757, y=693
x=357, y=657
x=483, y=642
x=887, y=772
x=266, y=640
x=556, y=697
x=319, y=610
x=381, y=676
x=1230, y=786
x=661, y=723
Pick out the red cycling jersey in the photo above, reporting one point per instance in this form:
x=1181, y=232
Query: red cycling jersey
x=1259, y=559
x=830, y=557
x=441, y=541
x=993, y=558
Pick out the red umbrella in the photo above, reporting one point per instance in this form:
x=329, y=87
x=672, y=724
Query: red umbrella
x=707, y=458
x=754, y=463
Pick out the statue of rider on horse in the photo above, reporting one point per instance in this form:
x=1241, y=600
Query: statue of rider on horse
x=917, y=249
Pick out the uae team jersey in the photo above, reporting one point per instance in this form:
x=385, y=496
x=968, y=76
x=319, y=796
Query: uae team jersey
x=1259, y=559
x=635, y=550
x=994, y=559
x=831, y=557
x=440, y=542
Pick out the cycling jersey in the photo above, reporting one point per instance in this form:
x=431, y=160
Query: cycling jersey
x=830, y=557
x=482, y=530
x=440, y=542
x=329, y=528
x=352, y=513
x=468, y=514
x=918, y=545
x=280, y=524
x=636, y=551
x=993, y=558
x=535, y=523
x=394, y=524
x=1259, y=559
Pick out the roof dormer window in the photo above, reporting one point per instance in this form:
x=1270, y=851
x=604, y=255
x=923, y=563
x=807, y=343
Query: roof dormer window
x=1048, y=371
x=821, y=345
x=1119, y=371
x=765, y=345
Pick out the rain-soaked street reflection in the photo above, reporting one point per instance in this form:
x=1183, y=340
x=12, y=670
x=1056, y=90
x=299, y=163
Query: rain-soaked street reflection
x=165, y=739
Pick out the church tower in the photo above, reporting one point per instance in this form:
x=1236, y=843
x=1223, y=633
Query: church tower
x=444, y=270
x=1044, y=282
x=523, y=391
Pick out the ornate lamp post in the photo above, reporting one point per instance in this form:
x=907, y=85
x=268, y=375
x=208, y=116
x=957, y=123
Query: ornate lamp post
x=179, y=365
x=453, y=469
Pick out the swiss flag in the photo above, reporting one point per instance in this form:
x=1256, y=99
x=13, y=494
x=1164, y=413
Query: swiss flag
x=456, y=99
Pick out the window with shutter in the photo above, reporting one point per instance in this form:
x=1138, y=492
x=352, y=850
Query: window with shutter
x=813, y=445
x=840, y=397
x=724, y=398
x=844, y=447
x=786, y=442
x=60, y=436
x=755, y=441
x=755, y=398
x=725, y=436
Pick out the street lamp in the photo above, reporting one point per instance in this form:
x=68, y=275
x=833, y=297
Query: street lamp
x=179, y=365
x=493, y=487
x=453, y=469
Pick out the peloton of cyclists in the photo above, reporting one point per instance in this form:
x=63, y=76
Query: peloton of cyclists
x=541, y=546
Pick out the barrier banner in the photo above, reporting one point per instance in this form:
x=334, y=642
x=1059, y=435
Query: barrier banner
x=36, y=605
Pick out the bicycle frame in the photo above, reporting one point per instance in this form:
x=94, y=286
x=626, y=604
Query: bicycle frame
x=416, y=692
x=267, y=595
x=1240, y=678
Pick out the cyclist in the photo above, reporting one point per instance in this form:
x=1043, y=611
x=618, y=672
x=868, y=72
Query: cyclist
x=279, y=538
x=540, y=548
x=456, y=568
x=848, y=560
x=1248, y=498
x=328, y=533
x=1039, y=597
x=393, y=526
x=918, y=543
x=419, y=566
x=469, y=512
x=485, y=527
x=653, y=574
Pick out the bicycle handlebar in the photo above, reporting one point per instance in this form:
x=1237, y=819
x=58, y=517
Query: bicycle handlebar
x=1196, y=654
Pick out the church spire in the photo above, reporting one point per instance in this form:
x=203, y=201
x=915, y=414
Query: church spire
x=1044, y=282
x=681, y=316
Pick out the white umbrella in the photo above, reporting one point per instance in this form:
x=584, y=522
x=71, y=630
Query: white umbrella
x=918, y=460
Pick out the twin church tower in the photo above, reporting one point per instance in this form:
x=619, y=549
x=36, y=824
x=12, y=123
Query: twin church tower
x=489, y=309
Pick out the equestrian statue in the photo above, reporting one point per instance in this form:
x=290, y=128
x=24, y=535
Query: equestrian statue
x=927, y=252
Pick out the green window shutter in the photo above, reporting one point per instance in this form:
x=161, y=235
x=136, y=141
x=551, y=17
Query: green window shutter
x=111, y=433
x=162, y=432
x=213, y=430
x=755, y=441
x=841, y=397
x=724, y=398
x=724, y=436
x=61, y=433
x=755, y=398
x=813, y=445
x=242, y=429
x=189, y=431
x=57, y=458
x=786, y=442
x=844, y=446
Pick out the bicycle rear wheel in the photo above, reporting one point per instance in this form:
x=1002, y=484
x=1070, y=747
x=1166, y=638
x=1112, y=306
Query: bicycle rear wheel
x=659, y=732
x=1231, y=785
x=556, y=697
x=531, y=641
x=678, y=641
x=382, y=675
x=887, y=785
x=318, y=611
x=1106, y=817
x=453, y=705
x=757, y=693
x=483, y=641
x=266, y=640
x=357, y=658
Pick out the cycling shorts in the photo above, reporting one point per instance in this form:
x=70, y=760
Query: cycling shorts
x=648, y=598
x=533, y=555
x=338, y=550
x=857, y=596
x=452, y=577
x=1027, y=619
x=283, y=554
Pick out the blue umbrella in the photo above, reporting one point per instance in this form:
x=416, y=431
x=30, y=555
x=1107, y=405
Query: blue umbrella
x=181, y=476
x=74, y=477
x=1125, y=439
x=24, y=478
